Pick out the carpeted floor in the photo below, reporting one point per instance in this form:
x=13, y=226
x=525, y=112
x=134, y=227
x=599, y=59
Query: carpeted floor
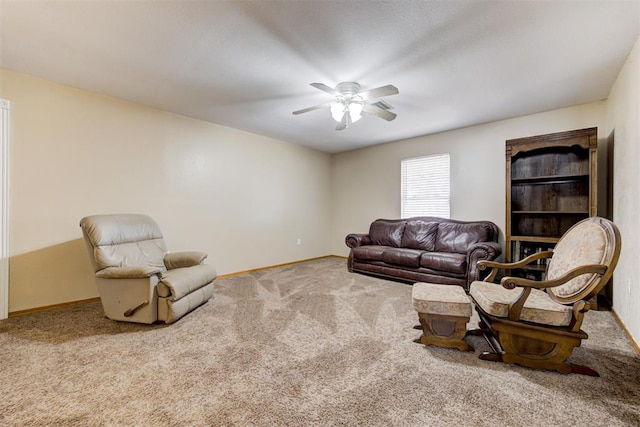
x=307, y=344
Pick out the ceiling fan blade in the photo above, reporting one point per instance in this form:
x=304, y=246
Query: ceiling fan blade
x=380, y=112
x=315, y=107
x=323, y=87
x=379, y=92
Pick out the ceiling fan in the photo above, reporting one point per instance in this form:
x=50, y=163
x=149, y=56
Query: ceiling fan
x=350, y=102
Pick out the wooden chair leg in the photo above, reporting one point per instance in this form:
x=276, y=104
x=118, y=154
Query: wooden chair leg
x=526, y=348
x=443, y=331
x=530, y=346
x=491, y=357
x=583, y=370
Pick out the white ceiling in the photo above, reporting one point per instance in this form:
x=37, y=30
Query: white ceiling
x=247, y=64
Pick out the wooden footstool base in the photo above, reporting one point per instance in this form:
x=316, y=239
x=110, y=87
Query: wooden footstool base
x=444, y=311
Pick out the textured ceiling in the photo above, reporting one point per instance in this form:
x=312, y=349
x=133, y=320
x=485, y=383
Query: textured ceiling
x=248, y=64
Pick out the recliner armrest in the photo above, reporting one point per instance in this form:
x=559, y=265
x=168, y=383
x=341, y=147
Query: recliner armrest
x=180, y=282
x=174, y=260
x=127, y=272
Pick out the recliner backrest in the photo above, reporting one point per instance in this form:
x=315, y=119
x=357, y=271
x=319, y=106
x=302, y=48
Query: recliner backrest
x=124, y=240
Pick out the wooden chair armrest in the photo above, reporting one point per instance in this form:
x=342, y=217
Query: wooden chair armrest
x=515, y=308
x=509, y=282
x=482, y=265
x=510, y=265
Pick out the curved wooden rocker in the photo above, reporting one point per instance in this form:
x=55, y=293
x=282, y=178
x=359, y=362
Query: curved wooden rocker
x=537, y=324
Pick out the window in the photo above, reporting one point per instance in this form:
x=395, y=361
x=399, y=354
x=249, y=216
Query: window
x=425, y=186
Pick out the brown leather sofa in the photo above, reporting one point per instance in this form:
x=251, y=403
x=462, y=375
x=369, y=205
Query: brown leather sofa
x=424, y=249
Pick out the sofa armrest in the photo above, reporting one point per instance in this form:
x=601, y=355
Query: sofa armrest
x=127, y=272
x=174, y=260
x=483, y=251
x=354, y=240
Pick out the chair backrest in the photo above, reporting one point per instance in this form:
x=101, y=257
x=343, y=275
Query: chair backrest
x=593, y=240
x=123, y=240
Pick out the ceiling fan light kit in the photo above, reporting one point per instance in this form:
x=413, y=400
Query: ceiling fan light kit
x=353, y=107
x=350, y=103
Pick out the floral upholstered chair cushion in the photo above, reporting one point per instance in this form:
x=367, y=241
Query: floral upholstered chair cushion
x=539, y=307
x=432, y=298
x=584, y=244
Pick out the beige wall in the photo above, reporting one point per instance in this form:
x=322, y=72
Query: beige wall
x=241, y=197
x=244, y=198
x=366, y=182
x=623, y=123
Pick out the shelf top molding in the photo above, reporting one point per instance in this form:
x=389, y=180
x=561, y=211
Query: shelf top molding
x=586, y=138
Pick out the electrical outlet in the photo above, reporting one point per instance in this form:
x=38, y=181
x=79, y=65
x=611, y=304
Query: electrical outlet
x=299, y=241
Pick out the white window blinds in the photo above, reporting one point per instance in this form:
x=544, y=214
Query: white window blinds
x=425, y=186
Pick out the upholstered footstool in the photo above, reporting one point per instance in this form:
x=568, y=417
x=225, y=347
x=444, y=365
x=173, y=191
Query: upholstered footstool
x=444, y=311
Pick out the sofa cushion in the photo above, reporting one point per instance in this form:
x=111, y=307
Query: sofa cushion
x=386, y=233
x=420, y=235
x=444, y=261
x=538, y=308
x=369, y=252
x=457, y=238
x=401, y=256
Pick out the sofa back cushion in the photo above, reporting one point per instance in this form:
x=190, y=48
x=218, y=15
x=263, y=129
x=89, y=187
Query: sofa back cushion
x=457, y=238
x=386, y=233
x=420, y=234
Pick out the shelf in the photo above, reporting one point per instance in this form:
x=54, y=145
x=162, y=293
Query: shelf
x=538, y=212
x=550, y=179
x=534, y=239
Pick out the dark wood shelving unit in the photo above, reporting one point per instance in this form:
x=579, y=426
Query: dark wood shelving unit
x=550, y=185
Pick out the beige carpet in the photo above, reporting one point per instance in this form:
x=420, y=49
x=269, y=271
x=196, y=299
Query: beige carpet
x=308, y=344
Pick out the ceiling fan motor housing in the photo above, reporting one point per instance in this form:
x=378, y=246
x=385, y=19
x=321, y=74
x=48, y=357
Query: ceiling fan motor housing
x=348, y=89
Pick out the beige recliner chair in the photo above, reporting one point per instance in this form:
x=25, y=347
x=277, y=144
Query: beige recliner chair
x=138, y=280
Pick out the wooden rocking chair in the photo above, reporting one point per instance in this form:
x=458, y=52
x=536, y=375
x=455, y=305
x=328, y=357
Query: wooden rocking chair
x=537, y=323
